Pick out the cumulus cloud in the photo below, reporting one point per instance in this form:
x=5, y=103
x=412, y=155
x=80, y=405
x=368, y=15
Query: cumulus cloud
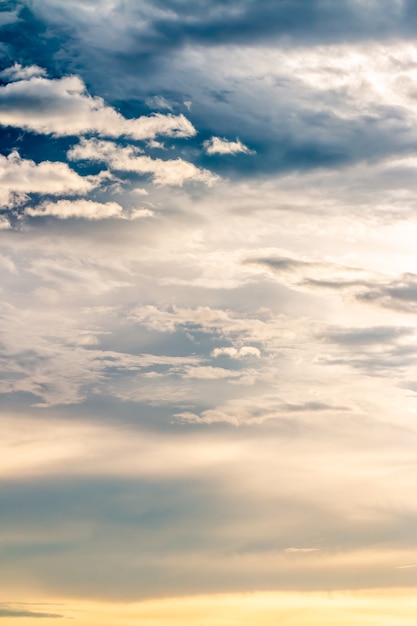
x=173, y=172
x=63, y=107
x=86, y=209
x=21, y=176
x=236, y=353
x=168, y=320
x=217, y=145
x=18, y=72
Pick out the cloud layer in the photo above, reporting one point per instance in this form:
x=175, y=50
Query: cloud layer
x=208, y=279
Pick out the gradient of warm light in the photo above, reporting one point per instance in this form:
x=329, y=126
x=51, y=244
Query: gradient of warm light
x=367, y=608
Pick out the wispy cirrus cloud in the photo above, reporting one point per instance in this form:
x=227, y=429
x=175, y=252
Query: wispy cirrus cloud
x=365, y=286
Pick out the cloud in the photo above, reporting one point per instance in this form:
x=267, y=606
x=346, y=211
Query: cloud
x=366, y=286
x=252, y=411
x=190, y=402
x=389, y=352
x=208, y=504
x=86, y=209
x=4, y=223
x=9, y=17
x=210, y=373
x=399, y=294
x=337, y=105
x=12, y=610
x=63, y=107
x=368, y=336
x=128, y=159
x=300, y=550
x=18, y=72
x=323, y=110
x=237, y=353
x=171, y=25
x=20, y=176
x=7, y=264
x=158, y=102
x=216, y=145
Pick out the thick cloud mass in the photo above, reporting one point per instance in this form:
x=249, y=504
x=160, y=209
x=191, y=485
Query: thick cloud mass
x=208, y=354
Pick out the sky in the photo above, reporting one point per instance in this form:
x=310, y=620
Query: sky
x=208, y=381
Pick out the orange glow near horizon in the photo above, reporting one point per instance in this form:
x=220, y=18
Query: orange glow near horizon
x=367, y=608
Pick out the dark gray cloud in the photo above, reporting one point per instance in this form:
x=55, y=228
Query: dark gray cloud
x=301, y=20
x=159, y=27
x=301, y=131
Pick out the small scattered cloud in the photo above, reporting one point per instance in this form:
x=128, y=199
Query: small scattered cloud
x=85, y=209
x=140, y=191
x=153, y=144
x=217, y=145
x=140, y=212
x=158, y=102
x=21, y=176
x=174, y=172
x=237, y=353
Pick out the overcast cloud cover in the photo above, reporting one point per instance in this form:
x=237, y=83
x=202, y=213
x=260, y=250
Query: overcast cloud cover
x=209, y=286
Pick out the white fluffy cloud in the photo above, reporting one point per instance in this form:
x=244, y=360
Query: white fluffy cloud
x=171, y=172
x=21, y=176
x=237, y=353
x=18, y=72
x=87, y=209
x=63, y=107
x=217, y=145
